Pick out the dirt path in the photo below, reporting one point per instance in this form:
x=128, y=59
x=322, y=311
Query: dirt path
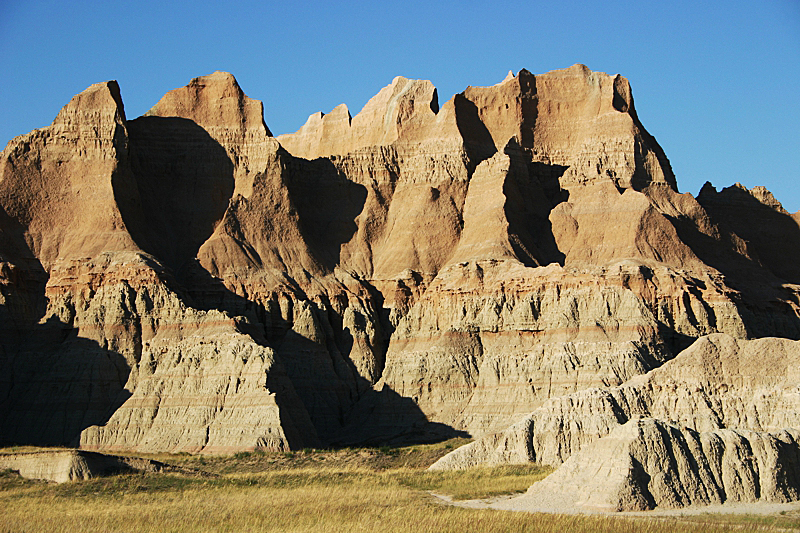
x=513, y=503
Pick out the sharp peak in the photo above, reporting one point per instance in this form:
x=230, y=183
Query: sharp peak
x=218, y=76
x=402, y=81
x=109, y=84
x=758, y=192
x=110, y=87
x=522, y=73
x=340, y=109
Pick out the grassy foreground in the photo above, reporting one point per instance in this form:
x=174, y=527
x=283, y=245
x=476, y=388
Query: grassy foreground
x=384, y=490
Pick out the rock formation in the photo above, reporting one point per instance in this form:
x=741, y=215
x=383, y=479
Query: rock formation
x=185, y=281
x=61, y=466
x=89, y=316
x=647, y=463
x=718, y=423
x=717, y=383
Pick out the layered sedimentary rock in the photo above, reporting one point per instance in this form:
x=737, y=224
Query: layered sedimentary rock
x=59, y=183
x=70, y=465
x=717, y=383
x=90, y=318
x=647, y=463
x=503, y=341
x=716, y=424
x=757, y=216
x=190, y=283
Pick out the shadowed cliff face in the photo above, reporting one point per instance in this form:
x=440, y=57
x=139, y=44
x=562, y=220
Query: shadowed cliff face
x=57, y=384
x=58, y=205
x=772, y=234
x=184, y=181
x=327, y=204
x=411, y=272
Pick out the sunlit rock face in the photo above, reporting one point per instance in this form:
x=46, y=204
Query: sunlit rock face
x=719, y=382
x=647, y=464
x=185, y=281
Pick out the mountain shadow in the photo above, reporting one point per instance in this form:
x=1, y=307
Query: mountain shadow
x=770, y=232
x=478, y=141
x=343, y=406
x=53, y=383
x=532, y=190
x=184, y=180
x=57, y=385
x=758, y=271
x=327, y=203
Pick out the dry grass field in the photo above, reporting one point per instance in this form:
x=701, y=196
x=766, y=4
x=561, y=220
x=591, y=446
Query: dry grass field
x=386, y=490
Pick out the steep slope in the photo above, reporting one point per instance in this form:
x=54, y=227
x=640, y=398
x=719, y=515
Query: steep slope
x=411, y=272
x=198, y=149
x=757, y=217
x=574, y=180
x=647, y=463
x=717, y=383
x=67, y=172
x=267, y=257
x=58, y=201
x=89, y=317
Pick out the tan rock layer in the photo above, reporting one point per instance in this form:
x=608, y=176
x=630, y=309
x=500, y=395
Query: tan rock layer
x=550, y=115
x=646, y=464
x=717, y=383
x=68, y=172
x=192, y=269
x=71, y=465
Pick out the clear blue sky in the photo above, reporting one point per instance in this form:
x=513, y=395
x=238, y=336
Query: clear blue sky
x=717, y=83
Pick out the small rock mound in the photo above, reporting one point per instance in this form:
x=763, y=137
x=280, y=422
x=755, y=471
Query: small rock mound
x=70, y=465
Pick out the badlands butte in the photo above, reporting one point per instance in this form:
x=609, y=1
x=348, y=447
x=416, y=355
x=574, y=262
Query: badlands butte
x=516, y=265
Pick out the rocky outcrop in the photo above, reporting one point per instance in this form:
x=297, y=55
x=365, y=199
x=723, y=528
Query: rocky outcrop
x=91, y=318
x=717, y=383
x=184, y=281
x=69, y=465
x=397, y=113
x=756, y=216
x=59, y=200
x=68, y=172
x=716, y=424
x=647, y=463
